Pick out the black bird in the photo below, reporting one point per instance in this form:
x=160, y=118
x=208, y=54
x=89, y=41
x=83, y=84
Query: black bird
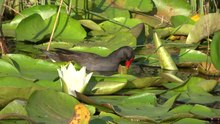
x=94, y=62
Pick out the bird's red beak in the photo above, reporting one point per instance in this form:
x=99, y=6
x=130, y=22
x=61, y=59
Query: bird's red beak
x=128, y=63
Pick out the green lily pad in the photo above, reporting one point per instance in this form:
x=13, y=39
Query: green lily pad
x=179, y=20
x=110, y=27
x=104, y=45
x=16, y=88
x=193, y=56
x=32, y=68
x=45, y=11
x=16, y=106
x=144, y=110
x=195, y=90
x=105, y=85
x=51, y=107
x=91, y=25
x=191, y=120
x=37, y=25
x=203, y=111
x=7, y=68
x=67, y=28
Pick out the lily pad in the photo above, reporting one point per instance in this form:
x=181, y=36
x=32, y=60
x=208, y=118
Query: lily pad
x=16, y=88
x=105, y=85
x=45, y=11
x=107, y=44
x=32, y=68
x=191, y=120
x=143, y=110
x=7, y=68
x=16, y=106
x=51, y=107
x=37, y=26
x=179, y=20
x=67, y=28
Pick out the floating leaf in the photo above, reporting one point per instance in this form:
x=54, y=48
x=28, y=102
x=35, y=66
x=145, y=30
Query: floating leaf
x=32, y=68
x=143, y=110
x=67, y=28
x=45, y=11
x=91, y=25
x=106, y=44
x=16, y=88
x=104, y=87
x=51, y=107
x=191, y=120
x=203, y=111
x=143, y=82
x=7, y=68
x=31, y=28
x=180, y=20
x=16, y=106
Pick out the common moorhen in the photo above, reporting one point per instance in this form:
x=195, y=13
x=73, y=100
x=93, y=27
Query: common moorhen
x=94, y=62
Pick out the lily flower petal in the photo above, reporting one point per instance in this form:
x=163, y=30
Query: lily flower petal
x=73, y=80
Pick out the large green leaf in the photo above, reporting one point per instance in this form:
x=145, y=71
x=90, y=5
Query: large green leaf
x=33, y=68
x=104, y=45
x=110, y=27
x=16, y=88
x=215, y=50
x=143, y=110
x=16, y=106
x=51, y=107
x=192, y=56
x=37, y=26
x=195, y=90
x=105, y=85
x=67, y=28
x=142, y=82
x=207, y=25
x=45, y=11
x=137, y=5
x=203, y=111
x=7, y=68
x=105, y=10
x=191, y=120
x=179, y=20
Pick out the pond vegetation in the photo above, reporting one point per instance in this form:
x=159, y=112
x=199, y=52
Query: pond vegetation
x=173, y=77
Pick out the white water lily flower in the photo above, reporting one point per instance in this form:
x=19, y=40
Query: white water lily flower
x=73, y=80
